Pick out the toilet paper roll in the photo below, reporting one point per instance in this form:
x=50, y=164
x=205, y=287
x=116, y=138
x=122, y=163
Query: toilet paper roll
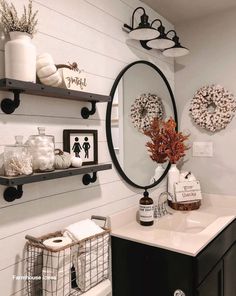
x=57, y=242
x=56, y=272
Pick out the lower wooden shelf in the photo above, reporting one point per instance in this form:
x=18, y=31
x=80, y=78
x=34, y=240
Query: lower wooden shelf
x=11, y=193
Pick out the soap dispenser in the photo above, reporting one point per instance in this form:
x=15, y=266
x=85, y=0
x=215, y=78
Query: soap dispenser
x=146, y=210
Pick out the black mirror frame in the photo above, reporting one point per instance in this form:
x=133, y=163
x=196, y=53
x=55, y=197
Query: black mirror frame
x=108, y=124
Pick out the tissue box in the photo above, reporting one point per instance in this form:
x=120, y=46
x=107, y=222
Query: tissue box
x=187, y=191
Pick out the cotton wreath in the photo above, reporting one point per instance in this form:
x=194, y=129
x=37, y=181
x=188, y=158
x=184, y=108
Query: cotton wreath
x=144, y=109
x=213, y=107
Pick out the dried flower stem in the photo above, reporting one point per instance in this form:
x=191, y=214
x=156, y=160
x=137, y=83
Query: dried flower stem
x=166, y=142
x=11, y=22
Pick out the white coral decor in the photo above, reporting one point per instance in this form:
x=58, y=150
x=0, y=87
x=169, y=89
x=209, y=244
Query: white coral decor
x=213, y=107
x=144, y=109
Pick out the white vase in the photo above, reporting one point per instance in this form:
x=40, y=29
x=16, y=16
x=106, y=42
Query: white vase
x=159, y=170
x=20, y=57
x=173, y=177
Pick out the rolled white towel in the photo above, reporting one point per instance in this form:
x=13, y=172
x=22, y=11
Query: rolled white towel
x=92, y=264
x=82, y=230
x=91, y=273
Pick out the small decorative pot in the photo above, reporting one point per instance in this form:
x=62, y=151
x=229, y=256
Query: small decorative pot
x=173, y=177
x=20, y=57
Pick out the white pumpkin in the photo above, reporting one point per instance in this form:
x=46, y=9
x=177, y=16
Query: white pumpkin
x=47, y=71
x=76, y=162
x=62, y=159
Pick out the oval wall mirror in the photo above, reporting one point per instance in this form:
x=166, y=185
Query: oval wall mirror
x=127, y=145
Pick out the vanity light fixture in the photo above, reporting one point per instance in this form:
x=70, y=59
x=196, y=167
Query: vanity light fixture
x=155, y=38
x=144, y=31
x=177, y=50
x=162, y=41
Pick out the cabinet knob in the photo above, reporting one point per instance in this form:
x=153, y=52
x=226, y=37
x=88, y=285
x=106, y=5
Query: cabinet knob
x=179, y=293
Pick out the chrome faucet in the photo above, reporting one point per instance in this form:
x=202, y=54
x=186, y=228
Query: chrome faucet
x=160, y=209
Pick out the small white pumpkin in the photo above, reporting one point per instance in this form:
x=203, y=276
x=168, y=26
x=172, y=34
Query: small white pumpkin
x=62, y=159
x=76, y=162
x=47, y=71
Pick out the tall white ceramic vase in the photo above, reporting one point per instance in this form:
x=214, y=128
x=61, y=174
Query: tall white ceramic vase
x=173, y=177
x=159, y=170
x=20, y=57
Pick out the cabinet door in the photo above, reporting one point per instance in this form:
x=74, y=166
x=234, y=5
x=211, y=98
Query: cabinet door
x=141, y=270
x=230, y=272
x=213, y=283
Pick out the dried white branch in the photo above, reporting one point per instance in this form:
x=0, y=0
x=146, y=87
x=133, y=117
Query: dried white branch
x=12, y=22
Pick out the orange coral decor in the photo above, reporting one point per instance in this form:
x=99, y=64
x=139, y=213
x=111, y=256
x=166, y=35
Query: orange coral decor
x=166, y=143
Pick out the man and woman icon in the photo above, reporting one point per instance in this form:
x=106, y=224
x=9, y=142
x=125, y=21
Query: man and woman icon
x=77, y=148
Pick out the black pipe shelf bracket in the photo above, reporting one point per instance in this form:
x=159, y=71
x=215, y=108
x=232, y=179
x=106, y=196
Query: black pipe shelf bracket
x=87, y=179
x=85, y=112
x=12, y=193
x=17, y=87
x=14, y=185
x=8, y=106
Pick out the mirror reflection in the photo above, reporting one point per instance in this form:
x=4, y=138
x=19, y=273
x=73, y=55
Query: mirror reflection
x=141, y=94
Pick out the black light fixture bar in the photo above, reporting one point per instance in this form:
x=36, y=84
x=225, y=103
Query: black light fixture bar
x=144, y=31
x=155, y=38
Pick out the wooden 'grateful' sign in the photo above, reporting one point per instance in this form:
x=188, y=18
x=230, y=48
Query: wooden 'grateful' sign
x=75, y=80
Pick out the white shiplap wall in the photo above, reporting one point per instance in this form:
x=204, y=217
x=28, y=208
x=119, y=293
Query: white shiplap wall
x=87, y=31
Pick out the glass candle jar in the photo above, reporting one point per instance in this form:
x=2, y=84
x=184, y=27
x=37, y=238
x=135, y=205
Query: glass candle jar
x=42, y=149
x=17, y=159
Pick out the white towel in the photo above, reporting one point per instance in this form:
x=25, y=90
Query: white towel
x=92, y=264
x=57, y=283
x=56, y=273
x=82, y=229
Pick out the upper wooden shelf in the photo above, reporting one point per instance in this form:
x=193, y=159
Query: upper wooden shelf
x=17, y=87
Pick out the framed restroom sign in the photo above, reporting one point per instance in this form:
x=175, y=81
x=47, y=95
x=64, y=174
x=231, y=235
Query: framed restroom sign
x=83, y=144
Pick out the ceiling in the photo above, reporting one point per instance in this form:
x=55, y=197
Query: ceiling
x=178, y=11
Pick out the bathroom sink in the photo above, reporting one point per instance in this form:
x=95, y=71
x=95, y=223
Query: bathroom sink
x=187, y=222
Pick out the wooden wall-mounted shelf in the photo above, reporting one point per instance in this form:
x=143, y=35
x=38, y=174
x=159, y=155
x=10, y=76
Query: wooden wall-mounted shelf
x=18, y=87
x=11, y=193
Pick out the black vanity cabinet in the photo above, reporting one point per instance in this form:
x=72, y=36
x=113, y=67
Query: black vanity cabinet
x=142, y=270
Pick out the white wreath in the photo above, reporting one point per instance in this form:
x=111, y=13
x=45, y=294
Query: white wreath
x=144, y=109
x=213, y=107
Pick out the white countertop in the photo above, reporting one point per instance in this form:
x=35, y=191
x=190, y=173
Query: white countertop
x=124, y=225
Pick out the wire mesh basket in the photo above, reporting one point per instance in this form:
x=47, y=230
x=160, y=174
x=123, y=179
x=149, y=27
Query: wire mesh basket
x=70, y=270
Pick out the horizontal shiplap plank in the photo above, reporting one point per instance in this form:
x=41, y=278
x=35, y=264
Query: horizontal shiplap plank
x=27, y=125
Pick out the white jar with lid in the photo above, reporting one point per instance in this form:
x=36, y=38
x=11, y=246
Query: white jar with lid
x=17, y=159
x=42, y=148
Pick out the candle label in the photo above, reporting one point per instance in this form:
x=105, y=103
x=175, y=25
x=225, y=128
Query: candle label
x=146, y=213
